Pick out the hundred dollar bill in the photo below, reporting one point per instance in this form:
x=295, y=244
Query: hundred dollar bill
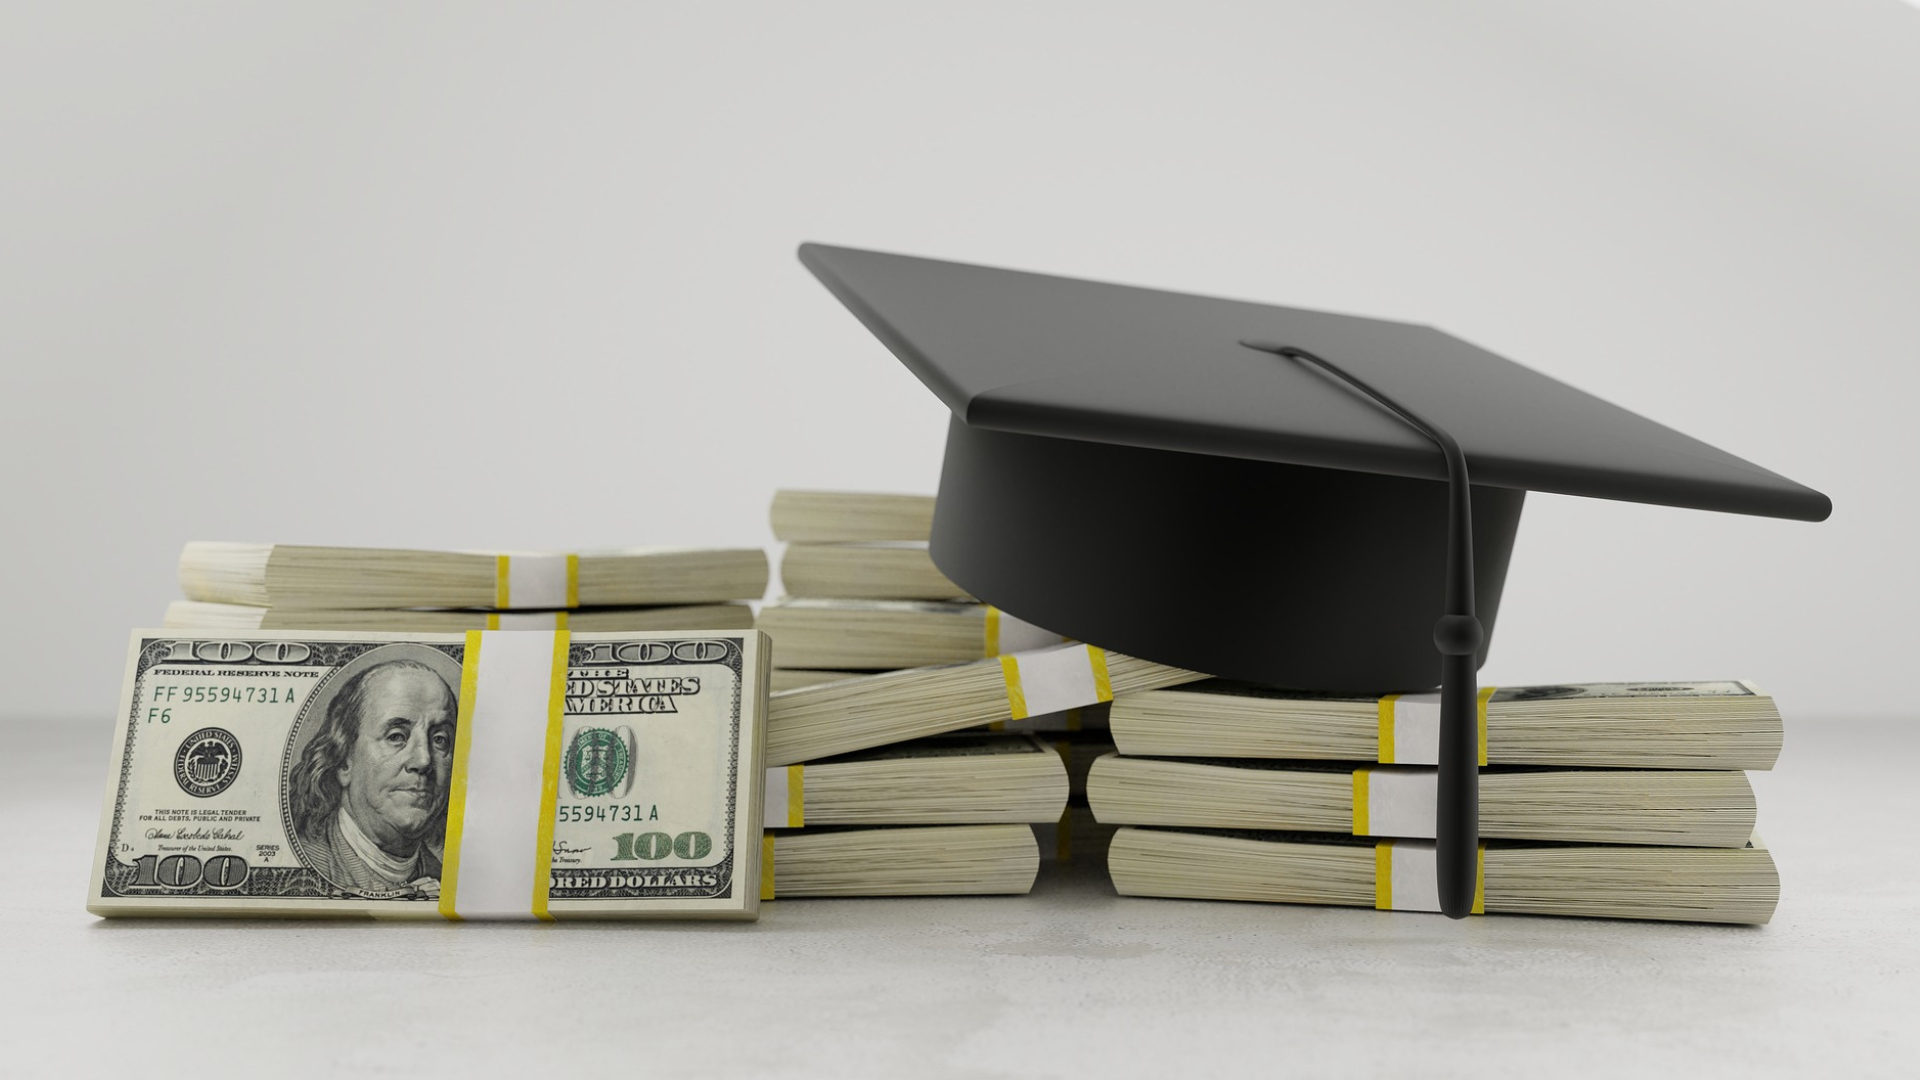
x=491, y=774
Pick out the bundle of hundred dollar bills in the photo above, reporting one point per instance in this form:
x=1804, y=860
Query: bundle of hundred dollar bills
x=487, y=775
x=231, y=586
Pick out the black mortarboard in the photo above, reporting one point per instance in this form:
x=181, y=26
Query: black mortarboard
x=1225, y=486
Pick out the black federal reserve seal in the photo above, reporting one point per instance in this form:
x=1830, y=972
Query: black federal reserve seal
x=208, y=762
x=599, y=762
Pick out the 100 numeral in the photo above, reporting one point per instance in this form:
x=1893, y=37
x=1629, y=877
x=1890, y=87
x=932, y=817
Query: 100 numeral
x=186, y=871
x=658, y=845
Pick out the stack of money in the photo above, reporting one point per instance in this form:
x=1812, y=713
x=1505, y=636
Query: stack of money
x=864, y=597
x=863, y=594
x=896, y=783
x=489, y=775
x=230, y=586
x=1611, y=800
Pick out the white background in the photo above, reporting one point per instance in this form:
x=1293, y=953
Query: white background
x=477, y=274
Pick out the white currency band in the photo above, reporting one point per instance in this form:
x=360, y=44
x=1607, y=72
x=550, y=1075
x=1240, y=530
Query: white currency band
x=777, y=816
x=1017, y=635
x=1416, y=876
x=537, y=581
x=1416, y=729
x=506, y=760
x=1400, y=802
x=1054, y=680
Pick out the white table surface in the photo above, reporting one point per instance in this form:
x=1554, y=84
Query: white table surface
x=1071, y=981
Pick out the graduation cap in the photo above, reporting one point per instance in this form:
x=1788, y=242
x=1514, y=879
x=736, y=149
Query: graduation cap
x=1302, y=499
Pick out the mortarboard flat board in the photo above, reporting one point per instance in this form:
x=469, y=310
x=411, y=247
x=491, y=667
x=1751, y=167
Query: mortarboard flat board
x=1261, y=479
x=1270, y=524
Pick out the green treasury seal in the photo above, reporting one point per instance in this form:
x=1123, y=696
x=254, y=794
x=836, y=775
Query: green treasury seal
x=597, y=762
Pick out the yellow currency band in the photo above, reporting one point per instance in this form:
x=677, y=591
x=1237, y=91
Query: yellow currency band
x=1361, y=778
x=1385, y=753
x=1016, y=697
x=796, y=797
x=1102, y=682
x=1384, y=711
x=1383, y=878
x=993, y=632
x=502, y=597
x=457, y=776
x=1486, y=695
x=766, y=866
x=550, y=778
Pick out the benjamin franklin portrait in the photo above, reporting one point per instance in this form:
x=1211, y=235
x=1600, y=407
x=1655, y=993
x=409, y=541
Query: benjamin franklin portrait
x=368, y=791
